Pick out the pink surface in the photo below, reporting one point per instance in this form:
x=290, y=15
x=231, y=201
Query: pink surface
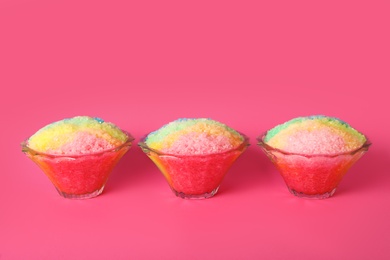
x=248, y=64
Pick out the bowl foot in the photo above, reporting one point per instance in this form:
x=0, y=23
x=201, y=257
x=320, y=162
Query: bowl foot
x=196, y=196
x=313, y=196
x=81, y=196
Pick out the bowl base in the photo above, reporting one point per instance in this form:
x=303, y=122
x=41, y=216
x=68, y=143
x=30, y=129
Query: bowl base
x=81, y=196
x=196, y=196
x=313, y=196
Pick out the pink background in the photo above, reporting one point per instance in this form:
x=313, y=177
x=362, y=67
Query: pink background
x=141, y=64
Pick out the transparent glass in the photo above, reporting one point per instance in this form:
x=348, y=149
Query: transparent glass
x=78, y=176
x=194, y=176
x=312, y=176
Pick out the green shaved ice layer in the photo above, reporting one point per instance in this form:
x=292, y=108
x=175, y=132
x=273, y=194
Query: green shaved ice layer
x=159, y=135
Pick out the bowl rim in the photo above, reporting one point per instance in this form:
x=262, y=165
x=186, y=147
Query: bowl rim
x=267, y=147
x=26, y=149
x=245, y=143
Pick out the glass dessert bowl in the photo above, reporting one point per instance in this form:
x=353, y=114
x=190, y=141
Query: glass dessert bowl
x=78, y=154
x=194, y=176
x=78, y=176
x=314, y=174
x=194, y=154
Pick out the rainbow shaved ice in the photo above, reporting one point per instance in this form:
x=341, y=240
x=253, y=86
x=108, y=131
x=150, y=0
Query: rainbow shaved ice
x=194, y=137
x=78, y=154
x=194, y=154
x=76, y=136
x=315, y=135
x=313, y=153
